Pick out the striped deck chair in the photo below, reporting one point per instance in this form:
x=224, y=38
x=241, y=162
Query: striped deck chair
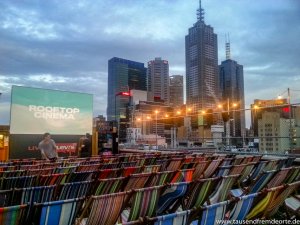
x=271, y=165
x=170, y=219
x=109, y=186
x=163, y=163
x=227, y=162
x=280, y=198
x=69, y=169
x=127, y=171
x=170, y=197
x=127, y=164
x=160, y=178
x=80, y=176
x=13, y=215
x=33, y=194
x=211, y=168
x=289, y=162
x=257, y=170
x=246, y=173
x=30, y=167
x=258, y=210
x=104, y=166
x=237, y=169
x=57, y=212
x=223, y=189
x=199, y=192
x=12, y=173
x=256, y=158
x=242, y=207
x=38, y=172
x=183, y=176
x=199, y=169
x=52, y=179
x=174, y=164
x=18, y=182
x=222, y=171
x=6, y=197
x=7, y=168
x=208, y=215
x=91, y=167
x=74, y=190
x=144, y=203
x=108, y=173
x=294, y=175
x=135, y=181
x=151, y=169
x=279, y=177
x=104, y=209
x=188, y=165
x=256, y=186
x=51, y=165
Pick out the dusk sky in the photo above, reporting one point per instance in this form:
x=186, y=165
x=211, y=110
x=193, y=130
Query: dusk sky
x=66, y=45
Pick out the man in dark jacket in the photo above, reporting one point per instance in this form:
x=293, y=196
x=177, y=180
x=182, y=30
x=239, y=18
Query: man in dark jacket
x=86, y=147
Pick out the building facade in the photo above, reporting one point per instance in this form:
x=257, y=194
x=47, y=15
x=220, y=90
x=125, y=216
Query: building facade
x=123, y=75
x=201, y=53
x=231, y=80
x=176, y=91
x=158, y=80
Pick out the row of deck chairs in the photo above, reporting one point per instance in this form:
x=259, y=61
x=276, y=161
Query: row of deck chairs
x=172, y=190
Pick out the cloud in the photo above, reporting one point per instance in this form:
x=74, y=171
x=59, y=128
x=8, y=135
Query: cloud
x=66, y=44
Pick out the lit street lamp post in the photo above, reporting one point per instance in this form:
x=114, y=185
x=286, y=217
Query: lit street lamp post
x=156, y=128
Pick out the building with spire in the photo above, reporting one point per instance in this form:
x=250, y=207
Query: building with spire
x=158, y=80
x=231, y=79
x=201, y=53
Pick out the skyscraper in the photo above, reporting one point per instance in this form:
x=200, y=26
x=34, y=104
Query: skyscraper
x=231, y=76
x=123, y=75
x=176, y=90
x=201, y=52
x=158, y=80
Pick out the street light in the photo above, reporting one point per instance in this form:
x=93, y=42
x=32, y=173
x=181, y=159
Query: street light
x=156, y=112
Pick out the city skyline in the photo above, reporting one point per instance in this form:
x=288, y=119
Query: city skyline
x=67, y=46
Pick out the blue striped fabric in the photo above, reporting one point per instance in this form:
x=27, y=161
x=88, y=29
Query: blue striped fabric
x=177, y=218
x=59, y=212
x=242, y=207
x=173, y=193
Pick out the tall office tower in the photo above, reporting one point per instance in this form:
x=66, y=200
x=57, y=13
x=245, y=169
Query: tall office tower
x=176, y=90
x=158, y=80
x=231, y=81
x=201, y=53
x=123, y=76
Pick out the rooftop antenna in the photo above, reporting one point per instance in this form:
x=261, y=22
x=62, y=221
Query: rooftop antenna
x=200, y=13
x=227, y=46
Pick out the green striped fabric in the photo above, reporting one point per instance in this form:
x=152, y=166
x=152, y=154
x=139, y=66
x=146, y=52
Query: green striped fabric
x=12, y=215
x=144, y=202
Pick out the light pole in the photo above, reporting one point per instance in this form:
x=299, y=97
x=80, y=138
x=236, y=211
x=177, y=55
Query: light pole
x=156, y=112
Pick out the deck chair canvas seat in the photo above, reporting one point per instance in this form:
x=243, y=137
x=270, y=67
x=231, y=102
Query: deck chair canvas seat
x=143, y=203
x=57, y=212
x=74, y=190
x=171, y=194
x=109, y=186
x=13, y=215
x=104, y=209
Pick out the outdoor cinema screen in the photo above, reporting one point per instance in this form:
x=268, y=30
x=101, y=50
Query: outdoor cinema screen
x=36, y=111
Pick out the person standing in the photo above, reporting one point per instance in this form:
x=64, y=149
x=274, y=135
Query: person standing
x=86, y=146
x=48, y=148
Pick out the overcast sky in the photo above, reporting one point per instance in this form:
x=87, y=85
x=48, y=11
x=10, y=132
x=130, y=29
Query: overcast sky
x=65, y=45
